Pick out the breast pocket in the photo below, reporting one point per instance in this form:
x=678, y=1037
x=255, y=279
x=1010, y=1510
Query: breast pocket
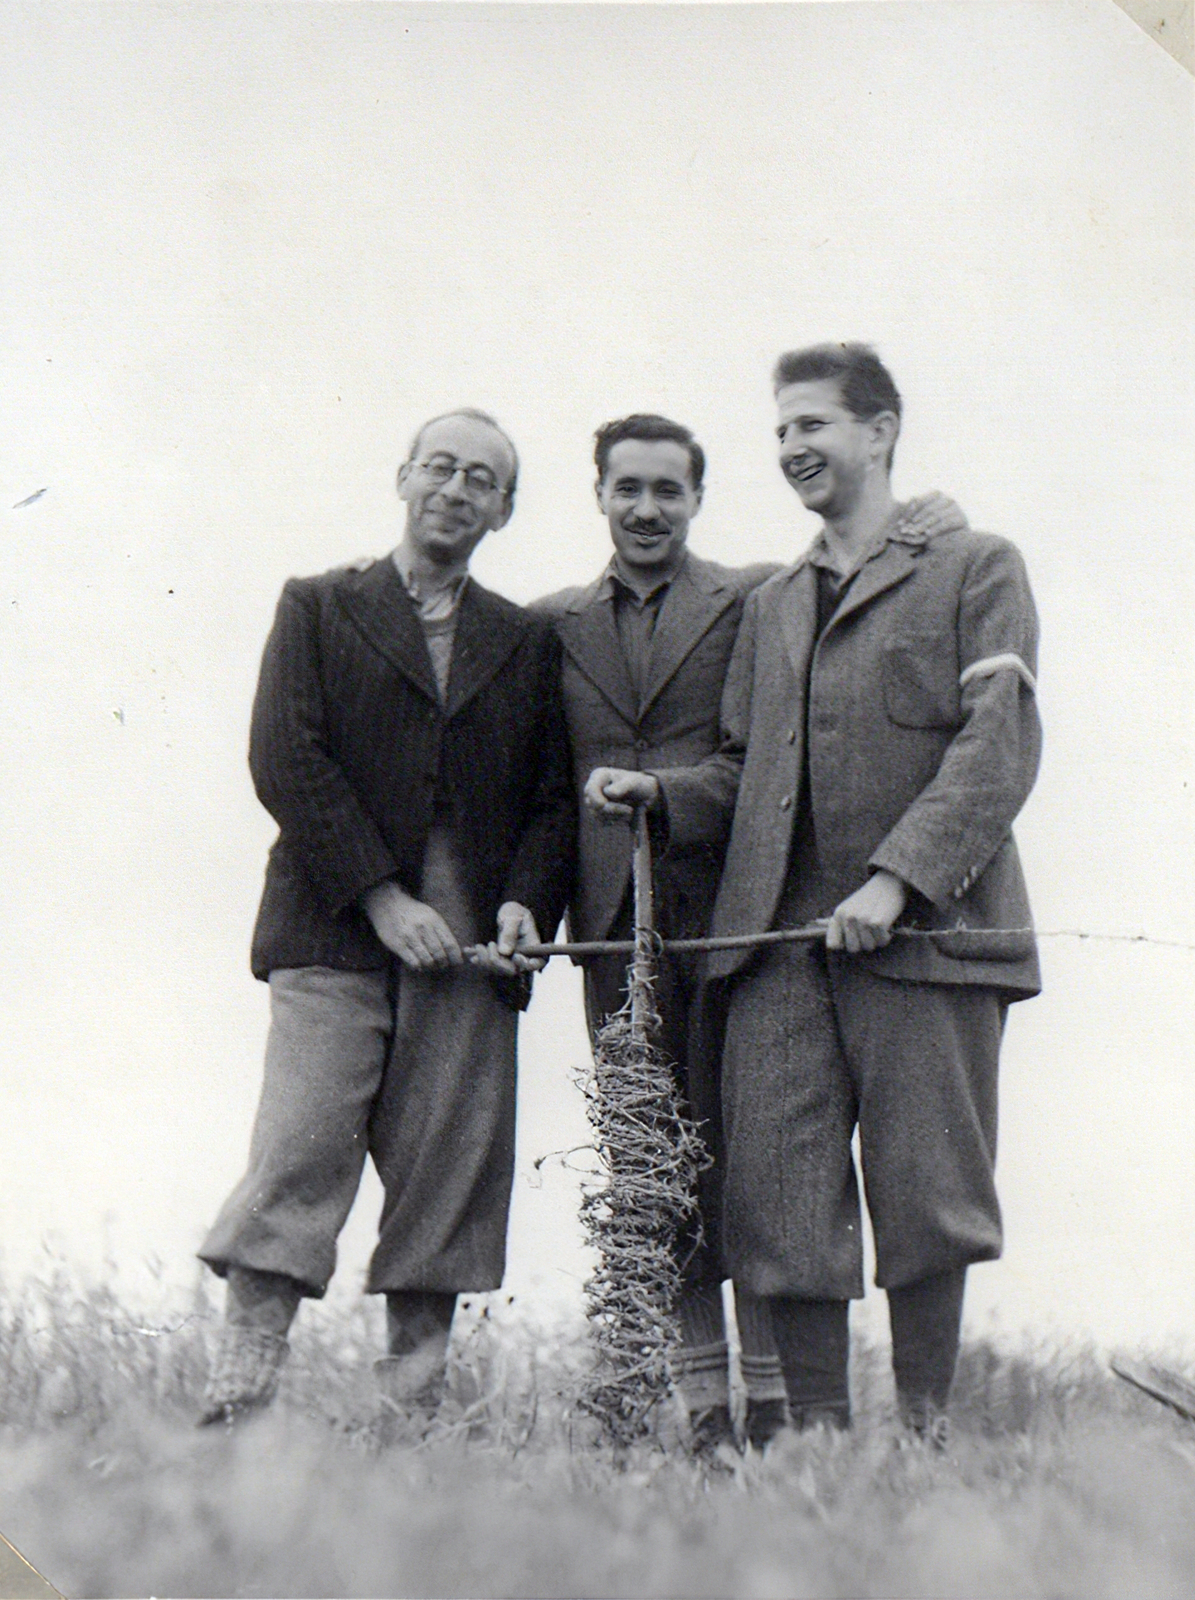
x=921, y=687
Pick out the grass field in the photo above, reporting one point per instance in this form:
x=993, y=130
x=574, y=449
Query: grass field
x=1059, y=1481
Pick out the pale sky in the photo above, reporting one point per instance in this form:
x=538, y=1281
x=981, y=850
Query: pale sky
x=248, y=249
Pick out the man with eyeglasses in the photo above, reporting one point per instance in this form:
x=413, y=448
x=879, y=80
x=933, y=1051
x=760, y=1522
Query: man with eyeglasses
x=408, y=737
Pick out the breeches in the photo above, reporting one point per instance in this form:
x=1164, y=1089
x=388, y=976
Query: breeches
x=417, y=1069
x=816, y=1043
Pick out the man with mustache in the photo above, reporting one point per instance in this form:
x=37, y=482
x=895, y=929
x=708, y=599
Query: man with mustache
x=646, y=648
x=880, y=735
x=408, y=737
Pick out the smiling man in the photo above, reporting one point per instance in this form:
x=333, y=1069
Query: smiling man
x=646, y=650
x=408, y=737
x=880, y=735
x=646, y=647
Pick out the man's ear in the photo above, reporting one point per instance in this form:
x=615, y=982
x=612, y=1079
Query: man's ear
x=503, y=516
x=885, y=425
x=404, y=473
x=699, y=493
x=597, y=490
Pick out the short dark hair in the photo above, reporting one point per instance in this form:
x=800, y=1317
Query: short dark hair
x=476, y=416
x=646, y=425
x=865, y=383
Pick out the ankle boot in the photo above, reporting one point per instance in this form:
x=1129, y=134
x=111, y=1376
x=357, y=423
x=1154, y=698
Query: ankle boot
x=244, y=1374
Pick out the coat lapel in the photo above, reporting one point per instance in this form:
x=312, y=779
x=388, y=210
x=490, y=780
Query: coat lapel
x=381, y=610
x=588, y=633
x=891, y=566
x=798, y=617
x=487, y=635
x=694, y=602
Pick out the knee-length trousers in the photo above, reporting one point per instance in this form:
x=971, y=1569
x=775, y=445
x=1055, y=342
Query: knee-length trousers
x=416, y=1069
x=815, y=1043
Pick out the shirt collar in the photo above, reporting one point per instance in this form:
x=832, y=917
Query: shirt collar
x=612, y=583
x=894, y=531
x=442, y=597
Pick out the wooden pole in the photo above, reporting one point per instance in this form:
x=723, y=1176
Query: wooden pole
x=643, y=961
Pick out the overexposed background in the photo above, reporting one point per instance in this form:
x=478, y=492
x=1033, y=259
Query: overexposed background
x=247, y=249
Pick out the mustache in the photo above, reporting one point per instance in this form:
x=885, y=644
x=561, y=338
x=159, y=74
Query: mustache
x=634, y=525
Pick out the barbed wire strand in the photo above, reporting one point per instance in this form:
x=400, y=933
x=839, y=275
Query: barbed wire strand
x=817, y=930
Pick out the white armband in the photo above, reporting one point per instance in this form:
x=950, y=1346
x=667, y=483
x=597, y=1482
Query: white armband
x=1008, y=662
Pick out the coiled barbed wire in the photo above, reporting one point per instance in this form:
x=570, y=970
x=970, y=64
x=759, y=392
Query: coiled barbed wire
x=649, y=1155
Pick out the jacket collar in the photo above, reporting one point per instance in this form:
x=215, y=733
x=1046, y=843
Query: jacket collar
x=696, y=598
x=890, y=561
x=487, y=632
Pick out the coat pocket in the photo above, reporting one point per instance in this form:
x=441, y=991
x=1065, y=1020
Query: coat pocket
x=920, y=675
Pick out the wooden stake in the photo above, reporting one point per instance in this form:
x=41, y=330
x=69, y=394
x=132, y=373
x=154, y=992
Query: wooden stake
x=643, y=963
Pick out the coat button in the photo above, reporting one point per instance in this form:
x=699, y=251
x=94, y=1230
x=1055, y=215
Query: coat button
x=786, y=802
x=641, y=745
x=791, y=736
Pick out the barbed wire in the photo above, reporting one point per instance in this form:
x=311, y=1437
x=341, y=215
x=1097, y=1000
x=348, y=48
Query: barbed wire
x=1113, y=938
x=649, y=1154
x=817, y=930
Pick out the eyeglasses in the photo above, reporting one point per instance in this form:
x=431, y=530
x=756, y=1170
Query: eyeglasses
x=479, y=481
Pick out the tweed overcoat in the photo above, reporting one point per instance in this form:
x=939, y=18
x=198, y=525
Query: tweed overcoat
x=674, y=723
x=353, y=754
x=923, y=743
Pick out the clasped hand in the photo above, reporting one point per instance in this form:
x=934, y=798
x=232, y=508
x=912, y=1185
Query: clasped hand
x=612, y=793
x=422, y=940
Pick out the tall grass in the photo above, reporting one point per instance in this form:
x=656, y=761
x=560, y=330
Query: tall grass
x=1059, y=1482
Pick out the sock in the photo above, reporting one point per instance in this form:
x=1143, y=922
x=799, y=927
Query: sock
x=264, y=1301
x=416, y=1316
x=701, y=1368
x=702, y=1375
x=925, y=1319
x=813, y=1339
x=762, y=1374
x=700, y=1316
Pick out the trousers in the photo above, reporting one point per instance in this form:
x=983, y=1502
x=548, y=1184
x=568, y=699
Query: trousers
x=417, y=1070
x=815, y=1043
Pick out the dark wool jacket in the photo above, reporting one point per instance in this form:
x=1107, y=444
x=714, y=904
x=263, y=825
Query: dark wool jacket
x=673, y=724
x=353, y=755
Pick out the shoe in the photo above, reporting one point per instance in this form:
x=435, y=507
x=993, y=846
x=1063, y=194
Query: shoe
x=244, y=1374
x=831, y=1414
x=925, y=1425
x=711, y=1435
x=765, y=1418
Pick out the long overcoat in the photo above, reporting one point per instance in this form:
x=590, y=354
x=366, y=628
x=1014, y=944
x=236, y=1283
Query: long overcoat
x=353, y=754
x=918, y=703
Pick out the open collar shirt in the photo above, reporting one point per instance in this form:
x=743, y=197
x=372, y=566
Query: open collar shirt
x=635, y=617
x=436, y=606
